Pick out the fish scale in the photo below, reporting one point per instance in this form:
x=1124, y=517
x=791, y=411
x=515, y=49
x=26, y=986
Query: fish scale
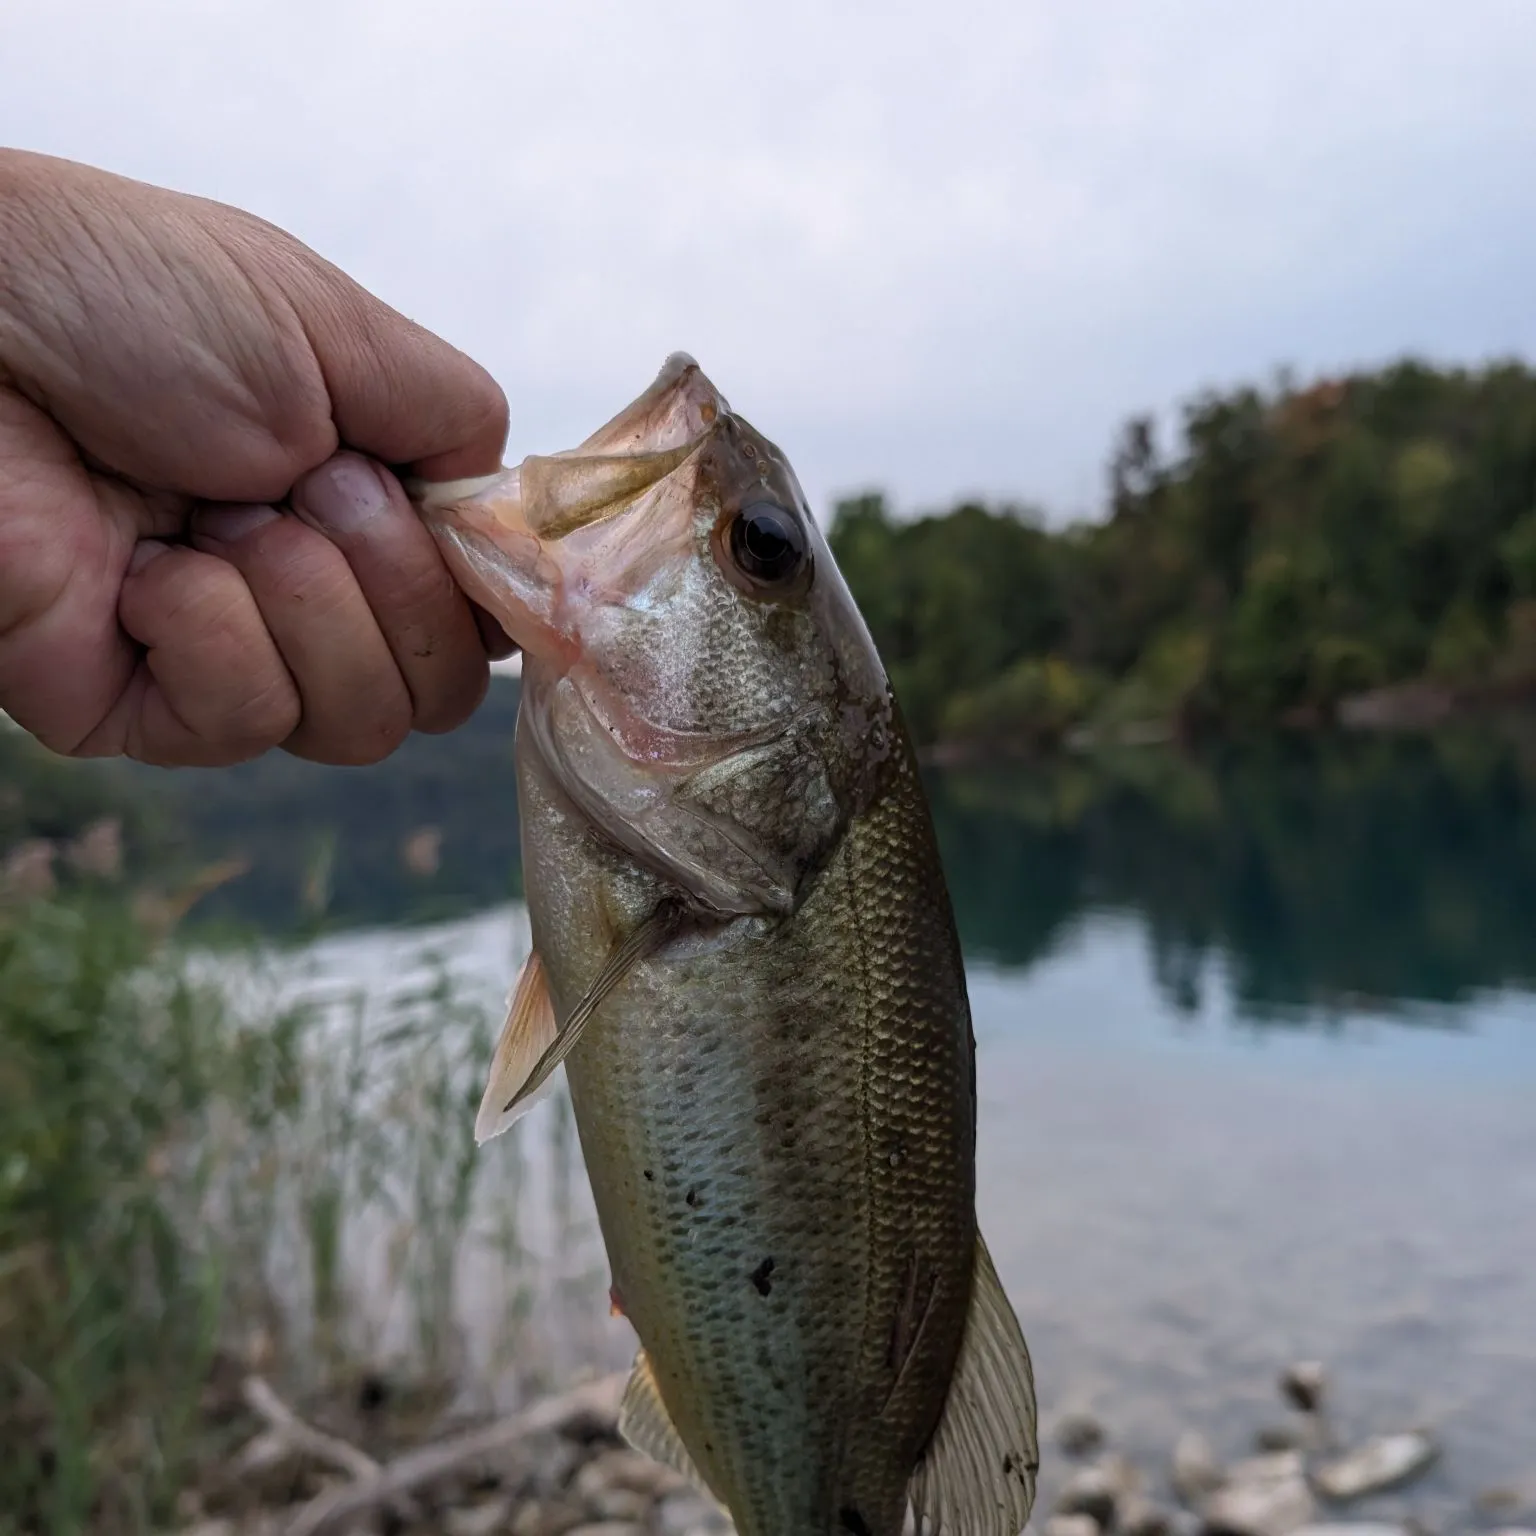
x=745, y=957
x=824, y=1122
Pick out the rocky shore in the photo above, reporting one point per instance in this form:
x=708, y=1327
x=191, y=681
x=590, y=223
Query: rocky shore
x=1303, y=1479
x=559, y=1468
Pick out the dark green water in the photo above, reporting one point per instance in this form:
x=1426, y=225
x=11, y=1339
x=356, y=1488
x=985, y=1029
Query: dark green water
x=1321, y=873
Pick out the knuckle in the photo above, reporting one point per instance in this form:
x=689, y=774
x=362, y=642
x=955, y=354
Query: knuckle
x=304, y=434
x=267, y=715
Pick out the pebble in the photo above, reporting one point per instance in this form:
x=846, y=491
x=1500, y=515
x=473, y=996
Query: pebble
x=554, y=1462
x=629, y=1471
x=1263, y=1496
x=1355, y=1528
x=1196, y=1471
x=479, y=1519
x=689, y=1513
x=1381, y=1462
x=609, y=1528
x=1079, y=1434
x=1279, y=1437
x=1141, y=1517
x=617, y=1504
x=1304, y=1385
x=548, y=1517
x=1124, y=1476
x=1071, y=1525
x=1506, y=1498
x=1091, y=1491
x=1270, y=1467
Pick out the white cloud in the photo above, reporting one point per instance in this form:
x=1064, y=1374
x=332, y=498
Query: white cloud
x=941, y=248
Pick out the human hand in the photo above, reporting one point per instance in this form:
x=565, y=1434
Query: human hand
x=202, y=553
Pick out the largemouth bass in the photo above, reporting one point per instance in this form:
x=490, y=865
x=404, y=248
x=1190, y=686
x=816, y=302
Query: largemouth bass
x=745, y=957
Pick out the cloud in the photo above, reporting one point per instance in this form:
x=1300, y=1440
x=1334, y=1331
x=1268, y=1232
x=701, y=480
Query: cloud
x=939, y=248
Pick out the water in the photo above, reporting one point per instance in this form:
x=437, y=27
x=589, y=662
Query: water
x=1179, y=1205
x=1257, y=1074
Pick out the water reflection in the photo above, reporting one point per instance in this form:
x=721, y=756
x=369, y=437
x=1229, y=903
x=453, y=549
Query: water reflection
x=1326, y=877
x=1312, y=877
x=1181, y=1197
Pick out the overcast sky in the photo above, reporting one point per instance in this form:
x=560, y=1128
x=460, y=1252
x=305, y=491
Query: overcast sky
x=936, y=248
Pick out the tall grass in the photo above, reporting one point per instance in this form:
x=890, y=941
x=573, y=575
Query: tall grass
x=199, y=1178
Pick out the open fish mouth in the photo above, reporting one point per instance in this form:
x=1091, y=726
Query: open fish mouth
x=745, y=960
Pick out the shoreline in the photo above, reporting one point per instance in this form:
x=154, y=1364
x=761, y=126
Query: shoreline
x=557, y=1466
x=1406, y=709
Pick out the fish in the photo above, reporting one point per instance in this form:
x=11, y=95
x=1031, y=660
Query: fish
x=745, y=958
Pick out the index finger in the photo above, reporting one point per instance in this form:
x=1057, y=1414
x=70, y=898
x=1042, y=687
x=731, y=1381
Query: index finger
x=399, y=393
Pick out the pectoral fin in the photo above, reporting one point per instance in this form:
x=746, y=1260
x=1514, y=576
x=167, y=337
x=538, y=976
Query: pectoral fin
x=525, y=1037
x=977, y=1476
x=531, y=1047
x=646, y=1424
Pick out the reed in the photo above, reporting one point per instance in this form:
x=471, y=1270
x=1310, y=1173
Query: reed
x=203, y=1173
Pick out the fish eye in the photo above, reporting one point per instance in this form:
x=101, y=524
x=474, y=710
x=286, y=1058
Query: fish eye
x=767, y=543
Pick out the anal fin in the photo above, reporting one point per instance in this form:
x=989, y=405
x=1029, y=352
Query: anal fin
x=646, y=1424
x=977, y=1475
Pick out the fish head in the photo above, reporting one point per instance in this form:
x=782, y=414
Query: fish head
x=696, y=674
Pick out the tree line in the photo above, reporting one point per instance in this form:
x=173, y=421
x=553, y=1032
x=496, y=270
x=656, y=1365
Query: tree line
x=1301, y=547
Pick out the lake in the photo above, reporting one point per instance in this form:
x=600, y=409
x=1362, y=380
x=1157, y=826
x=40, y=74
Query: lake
x=1257, y=1075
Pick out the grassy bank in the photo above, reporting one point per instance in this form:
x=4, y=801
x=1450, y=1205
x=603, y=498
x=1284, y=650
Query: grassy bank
x=198, y=1180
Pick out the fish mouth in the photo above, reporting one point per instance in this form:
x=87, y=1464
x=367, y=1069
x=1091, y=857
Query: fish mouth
x=557, y=493
x=519, y=540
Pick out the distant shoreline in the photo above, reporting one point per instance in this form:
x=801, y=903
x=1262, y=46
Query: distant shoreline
x=1410, y=708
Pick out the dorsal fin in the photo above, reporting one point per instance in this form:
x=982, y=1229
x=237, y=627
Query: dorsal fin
x=977, y=1476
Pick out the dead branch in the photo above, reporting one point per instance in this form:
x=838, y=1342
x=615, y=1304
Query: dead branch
x=332, y=1450
x=304, y=1438
x=599, y=1399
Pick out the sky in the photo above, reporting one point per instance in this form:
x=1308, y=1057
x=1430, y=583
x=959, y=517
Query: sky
x=940, y=250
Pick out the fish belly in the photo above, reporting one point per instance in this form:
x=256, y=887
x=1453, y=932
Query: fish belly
x=778, y=1126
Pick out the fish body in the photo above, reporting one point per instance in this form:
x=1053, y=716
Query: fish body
x=744, y=954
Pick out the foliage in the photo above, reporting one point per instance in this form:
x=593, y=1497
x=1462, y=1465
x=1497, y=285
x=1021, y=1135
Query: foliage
x=1302, y=546
x=951, y=602
x=200, y=1174
x=1034, y=703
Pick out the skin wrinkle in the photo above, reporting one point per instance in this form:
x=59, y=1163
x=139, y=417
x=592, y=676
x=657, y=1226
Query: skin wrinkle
x=158, y=352
x=274, y=706
x=287, y=319
x=56, y=562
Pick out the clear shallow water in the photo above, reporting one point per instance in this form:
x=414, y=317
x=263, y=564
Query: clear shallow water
x=1257, y=1068
x=1182, y=1201
x=1180, y=1205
